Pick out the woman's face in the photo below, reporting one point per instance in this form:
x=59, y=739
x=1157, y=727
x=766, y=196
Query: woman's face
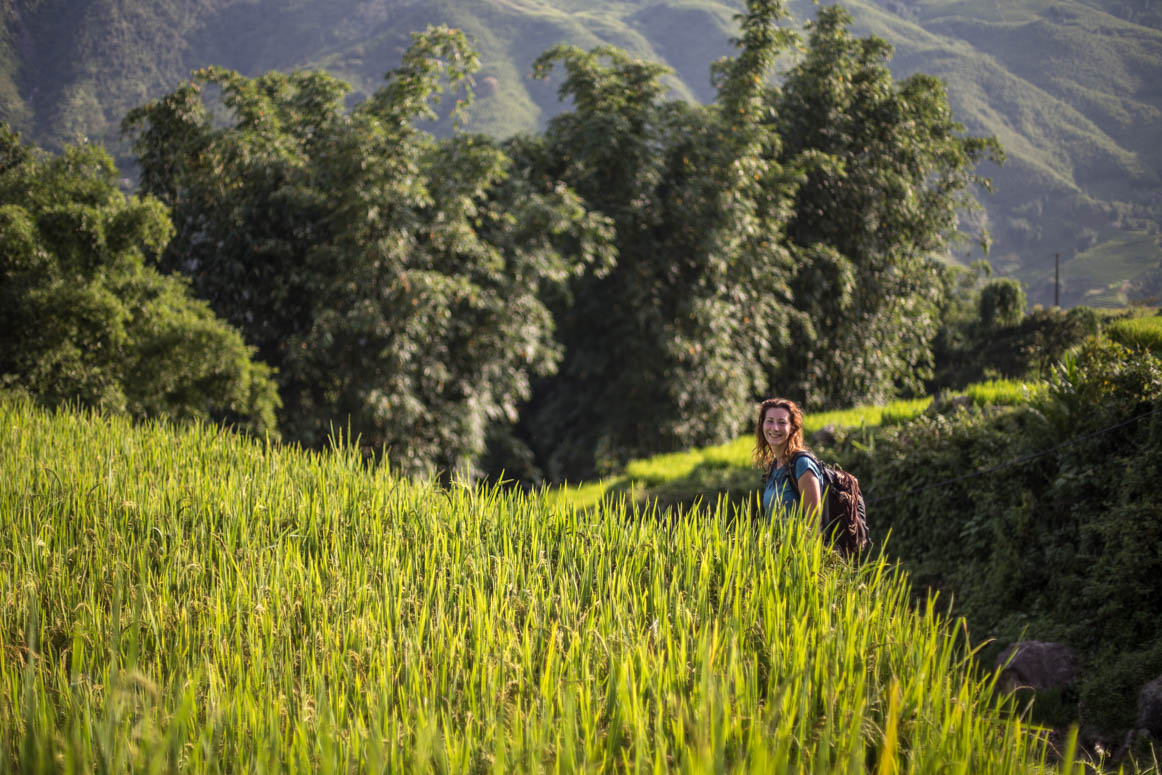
x=777, y=427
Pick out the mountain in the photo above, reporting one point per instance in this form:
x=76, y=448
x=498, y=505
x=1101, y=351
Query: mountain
x=1072, y=88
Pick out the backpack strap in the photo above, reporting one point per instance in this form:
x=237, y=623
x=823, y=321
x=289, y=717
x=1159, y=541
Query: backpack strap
x=794, y=461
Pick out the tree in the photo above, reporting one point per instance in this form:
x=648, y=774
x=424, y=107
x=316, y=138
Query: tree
x=780, y=240
x=87, y=321
x=891, y=169
x=393, y=280
x=1002, y=303
x=665, y=350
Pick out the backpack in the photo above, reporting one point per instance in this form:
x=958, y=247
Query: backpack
x=843, y=512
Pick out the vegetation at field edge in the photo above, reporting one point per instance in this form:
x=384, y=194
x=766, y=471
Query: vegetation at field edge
x=704, y=473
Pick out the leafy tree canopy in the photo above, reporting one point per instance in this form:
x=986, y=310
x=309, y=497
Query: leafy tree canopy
x=666, y=350
x=394, y=280
x=87, y=320
x=892, y=171
x=683, y=260
x=780, y=240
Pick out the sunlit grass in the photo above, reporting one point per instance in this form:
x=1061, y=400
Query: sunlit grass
x=1142, y=332
x=683, y=477
x=190, y=601
x=1005, y=392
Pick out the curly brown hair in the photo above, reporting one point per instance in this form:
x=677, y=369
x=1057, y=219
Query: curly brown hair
x=764, y=453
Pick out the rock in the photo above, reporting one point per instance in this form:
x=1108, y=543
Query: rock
x=1150, y=707
x=824, y=437
x=1036, y=665
x=487, y=86
x=945, y=403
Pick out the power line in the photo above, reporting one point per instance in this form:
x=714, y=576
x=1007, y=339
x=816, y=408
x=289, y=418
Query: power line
x=1018, y=461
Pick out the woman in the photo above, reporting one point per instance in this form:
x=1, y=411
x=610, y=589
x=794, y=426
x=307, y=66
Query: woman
x=778, y=437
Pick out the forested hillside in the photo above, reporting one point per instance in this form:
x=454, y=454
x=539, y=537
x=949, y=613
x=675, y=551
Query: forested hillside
x=1070, y=88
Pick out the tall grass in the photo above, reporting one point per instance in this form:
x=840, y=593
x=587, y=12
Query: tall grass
x=186, y=601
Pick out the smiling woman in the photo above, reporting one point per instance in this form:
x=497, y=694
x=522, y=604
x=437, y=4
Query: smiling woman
x=778, y=442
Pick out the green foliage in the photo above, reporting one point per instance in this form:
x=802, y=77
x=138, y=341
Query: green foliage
x=87, y=321
x=1062, y=546
x=1002, y=304
x=191, y=602
x=892, y=170
x=666, y=349
x=1103, y=380
x=713, y=301
x=394, y=281
x=1025, y=350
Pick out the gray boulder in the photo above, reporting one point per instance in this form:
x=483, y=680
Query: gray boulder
x=1037, y=665
x=1150, y=707
x=824, y=437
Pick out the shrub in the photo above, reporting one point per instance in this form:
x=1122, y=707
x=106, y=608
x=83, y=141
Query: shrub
x=86, y=320
x=1043, y=520
x=1002, y=303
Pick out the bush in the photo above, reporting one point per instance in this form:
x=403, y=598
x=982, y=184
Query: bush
x=1027, y=349
x=1002, y=303
x=1041, y=521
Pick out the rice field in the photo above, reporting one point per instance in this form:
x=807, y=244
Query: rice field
x=1107, y=268
x=1139, y=332
x=184, y=600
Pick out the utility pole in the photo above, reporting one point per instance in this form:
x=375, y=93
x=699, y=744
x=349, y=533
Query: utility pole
x=1056, y=279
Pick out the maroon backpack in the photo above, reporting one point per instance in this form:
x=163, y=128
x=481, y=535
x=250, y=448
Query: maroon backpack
x=843, y=512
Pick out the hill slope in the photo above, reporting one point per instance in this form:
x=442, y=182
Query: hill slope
x=1073, y=88
x=190, y=597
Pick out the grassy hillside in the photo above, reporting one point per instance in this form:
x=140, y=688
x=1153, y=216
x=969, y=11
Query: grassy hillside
x=1071, y=91
x=187, y=600
x=1070, y=87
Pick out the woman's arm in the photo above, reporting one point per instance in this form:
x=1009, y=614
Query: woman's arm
x=810, y=496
